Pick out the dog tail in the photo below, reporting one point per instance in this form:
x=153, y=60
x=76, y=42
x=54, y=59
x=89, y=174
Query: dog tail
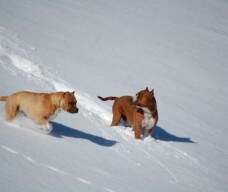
x=3, y=98
x=107, y=98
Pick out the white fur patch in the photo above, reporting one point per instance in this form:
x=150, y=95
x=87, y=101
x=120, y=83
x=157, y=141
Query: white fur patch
x=148, y=122
x=47, y=128
x=134, y=98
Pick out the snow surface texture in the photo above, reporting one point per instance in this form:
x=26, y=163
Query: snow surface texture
x=117, y=48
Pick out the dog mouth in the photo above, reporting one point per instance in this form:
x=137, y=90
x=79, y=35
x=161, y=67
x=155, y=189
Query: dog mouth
x=73, y=110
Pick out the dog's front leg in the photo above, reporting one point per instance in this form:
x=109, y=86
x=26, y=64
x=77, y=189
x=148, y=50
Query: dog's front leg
x=43, y=121
x=138, y=132
x=137, y=125
x=48, y=127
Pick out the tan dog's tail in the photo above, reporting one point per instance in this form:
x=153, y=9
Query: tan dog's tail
x=107, y=98
x=3, y=98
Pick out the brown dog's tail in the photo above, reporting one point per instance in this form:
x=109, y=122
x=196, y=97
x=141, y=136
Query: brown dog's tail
x=107, y=98
x=3, y=98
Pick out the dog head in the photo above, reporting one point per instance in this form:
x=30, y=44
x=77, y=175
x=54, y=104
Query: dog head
x=145, y=97
x=69, y=102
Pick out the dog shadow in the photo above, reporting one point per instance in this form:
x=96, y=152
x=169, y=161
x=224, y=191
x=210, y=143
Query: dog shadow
x=162, y=135
x=60, y=130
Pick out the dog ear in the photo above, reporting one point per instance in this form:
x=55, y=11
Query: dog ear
x=64, y=94
x=147, y=89
x=72, y=92
x=152, y=91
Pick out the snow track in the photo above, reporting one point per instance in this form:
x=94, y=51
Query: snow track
x=16, y=59
x=21, y=64
x=110, y=47
x=49, y=167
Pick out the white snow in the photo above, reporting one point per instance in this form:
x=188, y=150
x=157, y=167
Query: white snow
x=114, y=48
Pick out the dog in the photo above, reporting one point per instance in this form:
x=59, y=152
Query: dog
x=140, y=111
x=146, y=102
x=40, y=107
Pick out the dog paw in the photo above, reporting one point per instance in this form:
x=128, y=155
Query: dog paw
x=47, y=128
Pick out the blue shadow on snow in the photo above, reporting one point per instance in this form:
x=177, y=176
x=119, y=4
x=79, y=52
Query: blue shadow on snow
x=163, y=135
x=60, y=130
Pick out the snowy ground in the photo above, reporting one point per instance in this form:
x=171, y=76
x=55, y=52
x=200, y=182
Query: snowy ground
x=98, y=47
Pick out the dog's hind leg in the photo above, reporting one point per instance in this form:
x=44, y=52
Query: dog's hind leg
x=116, y=118
x=11, y=110
x=116, y=114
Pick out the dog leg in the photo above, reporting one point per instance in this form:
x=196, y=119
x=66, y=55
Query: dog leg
x=137, y=126
x=42, y=121
x=138, y=132
x=116, y=114
x=11, y=111
x=116, y=119
x=46, y=127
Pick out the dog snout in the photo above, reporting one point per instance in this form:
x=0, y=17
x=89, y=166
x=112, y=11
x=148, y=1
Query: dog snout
x=74, y=110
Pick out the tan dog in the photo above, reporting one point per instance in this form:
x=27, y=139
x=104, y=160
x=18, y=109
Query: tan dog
x=40, y=107
x=141, y=113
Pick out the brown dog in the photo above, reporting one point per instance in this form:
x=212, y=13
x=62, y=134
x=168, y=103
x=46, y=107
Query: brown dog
x=40, y=107
x=141, y=113
x=146, y=101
